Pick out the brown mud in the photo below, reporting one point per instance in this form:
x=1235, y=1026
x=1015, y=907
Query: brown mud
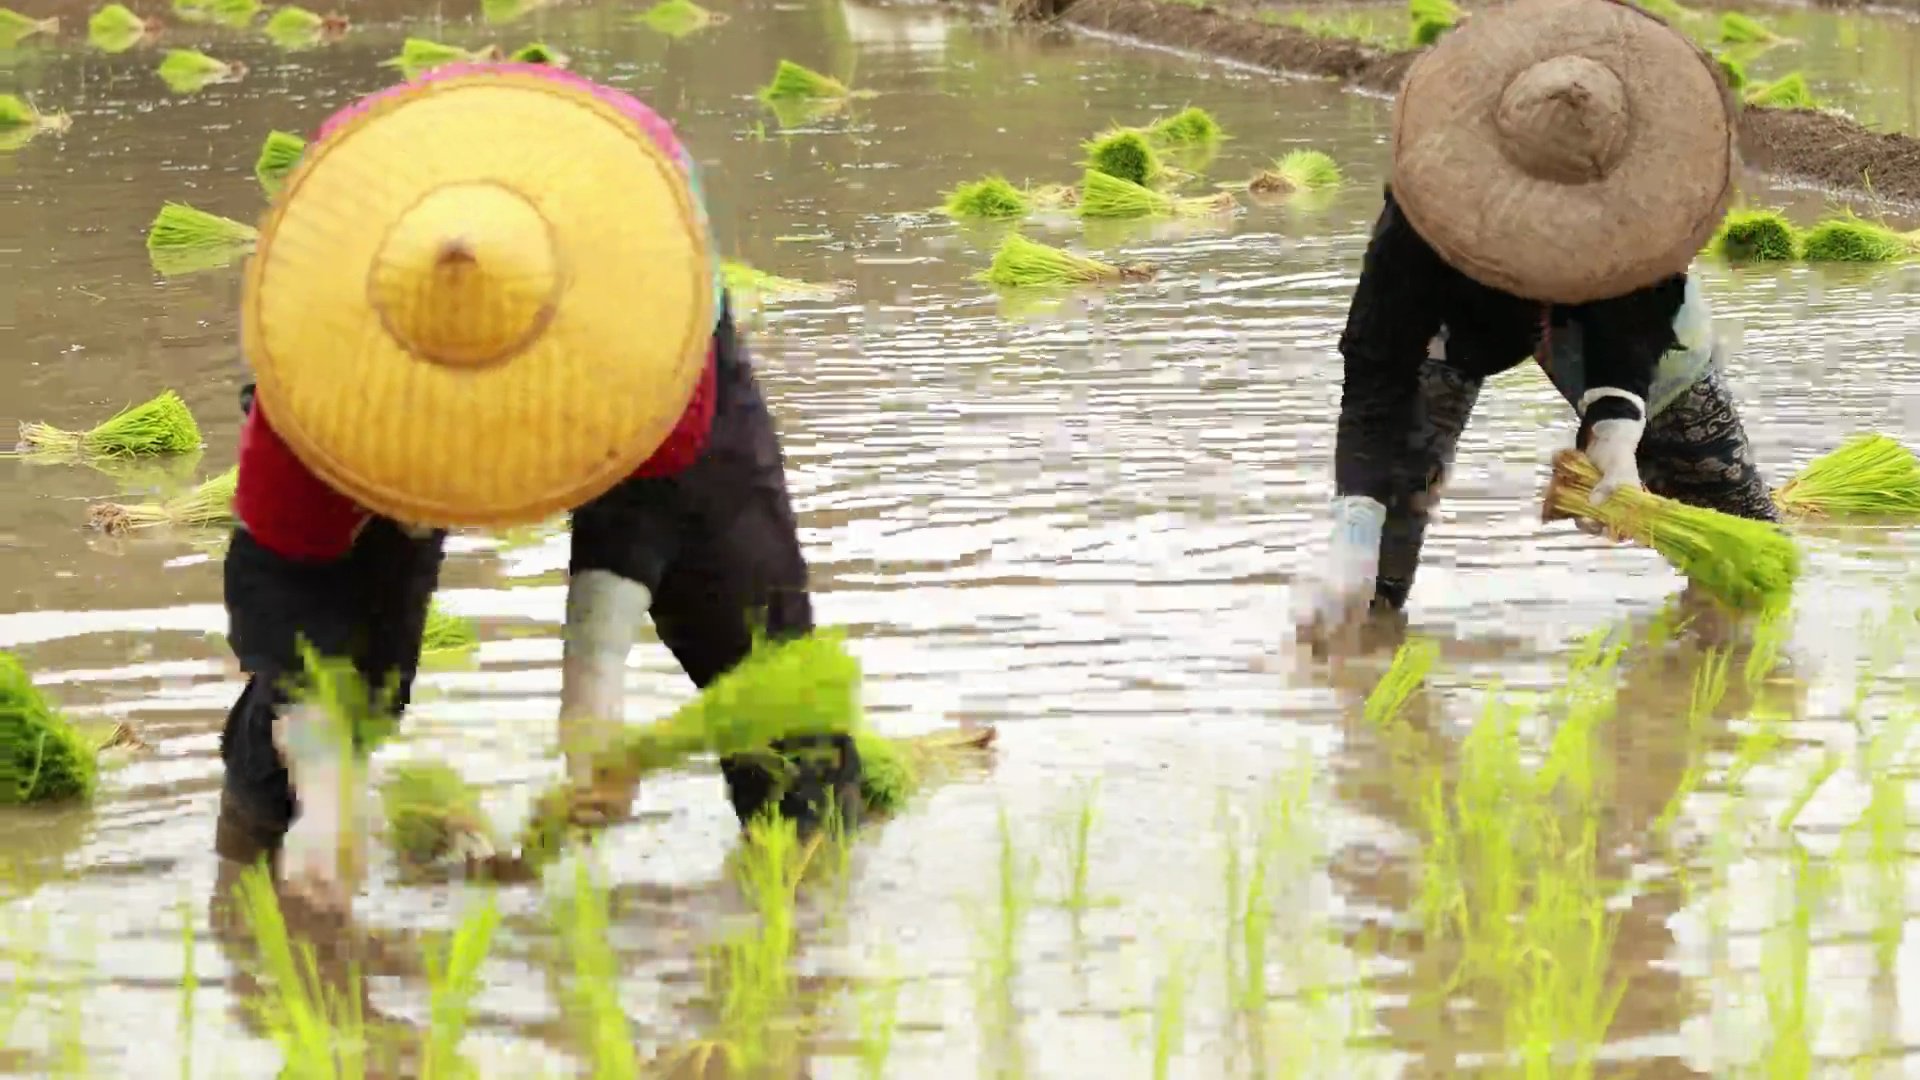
x=1818, y=148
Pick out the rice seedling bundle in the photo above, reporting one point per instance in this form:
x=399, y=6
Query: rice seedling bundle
x=1748, y=236
x=418, y=55
x=992, y=198
x=431, y=813
x=115, y=28
x=1851, y=240
x=186, y=70
x=1871, y=476
x=894, y=770
x=1191, y=126
x=1730, y=68
x=1431, y=19
x=163, y=425
x=18, y=116
x=1022, y=263
x=1738, y=29
x=741, y=278
x=279, y=153
x=791, y=82
x=1746, y=565
x=193, y=11
x=179, y=227
x=1789, y=91
x=234, y=13
x=209, y=504
x=293, y=22
x=15, y=27
x=678, y=18
x=1104, y=196
x=537, y=53
x=43, y=757
x=1125, y=154
x=1298, y=170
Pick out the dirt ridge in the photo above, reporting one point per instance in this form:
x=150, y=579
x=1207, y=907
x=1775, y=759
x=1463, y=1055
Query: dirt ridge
x=1823, y=149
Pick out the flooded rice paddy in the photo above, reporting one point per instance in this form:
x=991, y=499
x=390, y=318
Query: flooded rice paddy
x=1082, y=524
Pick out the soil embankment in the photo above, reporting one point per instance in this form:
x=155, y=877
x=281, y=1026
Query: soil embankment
x=1819, y=148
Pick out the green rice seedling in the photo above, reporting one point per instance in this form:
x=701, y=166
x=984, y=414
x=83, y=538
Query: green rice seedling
x=209, y=504
x=1191, y=126
x=740, y=278
x=537, y=53
x=1709, y=689
x=1868, y=476
x=237, y=14
x=187, y=71
x=991, y=198
x=15, y=27
x=1431, y=20
x=20, y=122
x=1732, y=71
x=1751, y=236
x=1023, y=263
x=179, y=228
x=997, y=965
x=1298, y=171
x=1126, y=154
x=792, y=82
x=433, y=813
x=1789, y=91
x=453, y=977
x=1169, y=1013
x=1105, y=196
x=679, y=18
x=115, y=29
x=1848, y=239
x=1670, y=10
x=162, y=425
x=1746, y=565
x=754, y=967
x=418, y=56
x=1738, y=29
x=1784, y=971
x=590, y=990
x=447, y=632
x=294, y=28
x=321, y=1030
x=894, y=770
x=1413, y=661
x=189, y=986
x=879, y=1018
x=279, y=153
x=1079, y=846
x=43, y=757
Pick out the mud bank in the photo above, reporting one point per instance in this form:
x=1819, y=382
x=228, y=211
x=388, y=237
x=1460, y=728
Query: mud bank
x=1818, y=148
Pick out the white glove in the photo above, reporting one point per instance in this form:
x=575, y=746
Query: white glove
x=1345, y=586
x=322, y=857
x=603, y=610
x=1611, y=446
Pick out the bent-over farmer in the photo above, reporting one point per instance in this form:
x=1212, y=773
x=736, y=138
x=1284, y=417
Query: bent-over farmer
x=1556, y=166
x=486, y=297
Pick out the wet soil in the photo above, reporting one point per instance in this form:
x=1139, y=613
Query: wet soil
x=1819, y=148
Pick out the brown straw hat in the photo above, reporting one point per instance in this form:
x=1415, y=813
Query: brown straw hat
x=1564, y=150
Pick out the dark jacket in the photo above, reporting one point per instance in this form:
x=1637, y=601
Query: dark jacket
x=1407, y=296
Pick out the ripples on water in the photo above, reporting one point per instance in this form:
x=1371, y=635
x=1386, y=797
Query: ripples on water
x=1083, y=527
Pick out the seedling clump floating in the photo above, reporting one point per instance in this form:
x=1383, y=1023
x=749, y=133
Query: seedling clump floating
x=418, y=56
x=1125, y=154
x=186, y=71
x=1104, y=196
x=1298, y=171
x=234, y=13
x=15, y=27
x=991, y=198
x=279, y=153
x=115, y=28
x=1789, y=91
x=43, y=757
x=791, y=82
x=1748, y=236
x=179, y=227
x=678, y=18
x=1191, y=126
x=209, y=504
x=1851, y=240
x=296, y=27
x=1867, y=476
x=163, y=425
x=1023, y=263
x=1747, y=565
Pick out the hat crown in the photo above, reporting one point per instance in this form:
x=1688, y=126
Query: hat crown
x=467, y=277
x=1565, y=119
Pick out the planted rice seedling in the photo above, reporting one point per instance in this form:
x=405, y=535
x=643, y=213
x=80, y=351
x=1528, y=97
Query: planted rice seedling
x=115, y=29
x=1789, y=91
x=1746, y=565
x=1191, y=126
x=1023, y=263
x=591, y=986
x=679, y=18
x=186, y=71
x=1868, y=476
x=1750, y=236
x=1849, y=239
x=1126, y=154
x=418, y=56
x=209, y=504
x=162, y=425
x=279, y=153
x=792, y=82
x=15, y=27
x=991, y=198
x=1298, y=171
x=1104, y=196
x=1431, y=19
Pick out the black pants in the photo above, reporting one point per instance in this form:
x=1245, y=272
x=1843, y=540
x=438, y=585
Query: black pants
x=716, y=545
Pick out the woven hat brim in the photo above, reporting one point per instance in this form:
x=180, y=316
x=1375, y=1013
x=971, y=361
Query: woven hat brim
x=518, y=441
x=1550, y=241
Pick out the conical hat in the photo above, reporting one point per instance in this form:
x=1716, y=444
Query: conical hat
x=483, y=297
x=1564, y=150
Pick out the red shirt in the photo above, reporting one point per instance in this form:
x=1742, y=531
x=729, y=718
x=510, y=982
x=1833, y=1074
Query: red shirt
x=295, y=514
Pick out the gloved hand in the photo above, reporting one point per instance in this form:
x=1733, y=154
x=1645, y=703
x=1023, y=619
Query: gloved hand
x=603, y=611
x=323, y=855
x=1611, y=444
x=1345, y=585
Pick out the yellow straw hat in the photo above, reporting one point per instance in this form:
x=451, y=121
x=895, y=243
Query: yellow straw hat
x=482, y=298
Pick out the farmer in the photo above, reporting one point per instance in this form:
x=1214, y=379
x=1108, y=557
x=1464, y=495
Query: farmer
x=486, y=297
x=1557, y=164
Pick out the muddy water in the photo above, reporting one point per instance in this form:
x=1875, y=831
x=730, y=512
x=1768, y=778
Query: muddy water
x=1082, y=526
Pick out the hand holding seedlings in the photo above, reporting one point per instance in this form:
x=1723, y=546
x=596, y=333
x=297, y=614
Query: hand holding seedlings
x=341, y=527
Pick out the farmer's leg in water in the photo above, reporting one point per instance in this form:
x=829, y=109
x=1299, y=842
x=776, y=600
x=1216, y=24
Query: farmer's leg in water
x=1447, y=396
x=307, y=567
x=712, y=551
